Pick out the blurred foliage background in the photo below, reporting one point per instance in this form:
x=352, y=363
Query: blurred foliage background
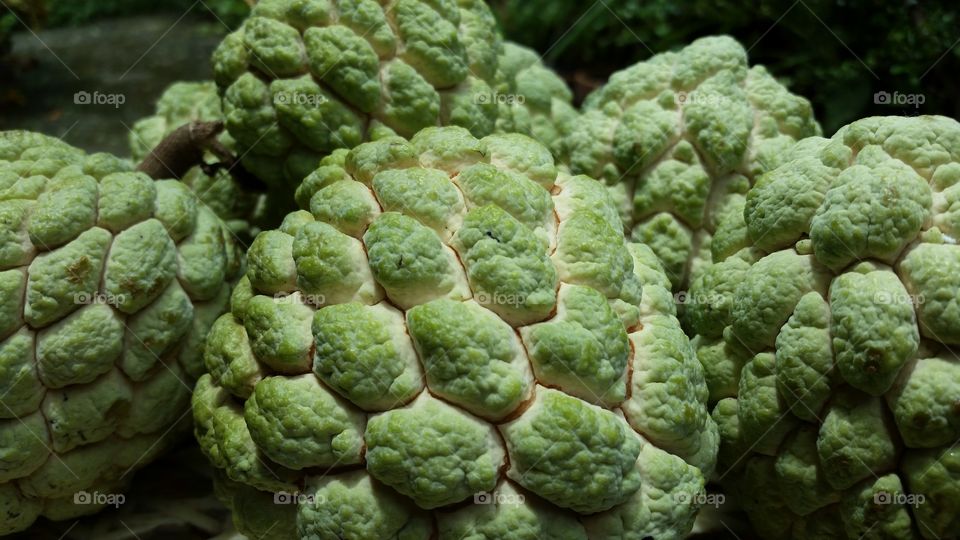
x=839, y=53
x=56, y=13
x=18, y=15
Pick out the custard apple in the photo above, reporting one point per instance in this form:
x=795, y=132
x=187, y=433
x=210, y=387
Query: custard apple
x=109, y=282
x=828, y=337
x=451, y=340
x=181, y=104
x=680, y=138
x=531, y=98
x=302, y=78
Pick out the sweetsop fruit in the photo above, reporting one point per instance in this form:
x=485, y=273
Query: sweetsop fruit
x=180, y=104
x=302, y=78
x=109, y=282
x=828, y=338
x=680, y=138
x=453, y=337
x=531, y=98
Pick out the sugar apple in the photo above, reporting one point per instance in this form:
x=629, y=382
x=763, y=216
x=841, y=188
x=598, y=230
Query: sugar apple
x=109, y=281
x=180, y=104
x=452, y=337
x=679, y=138
x=302, y=78
x=828, y=338
x=531, y=98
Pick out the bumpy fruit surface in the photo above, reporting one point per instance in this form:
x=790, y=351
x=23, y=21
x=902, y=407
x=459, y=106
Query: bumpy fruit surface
x=302, y=78
x=680, y=138
x=452, y=337
x=531, y=98
x=181, y=104
x=109, y=281
x=829, y=337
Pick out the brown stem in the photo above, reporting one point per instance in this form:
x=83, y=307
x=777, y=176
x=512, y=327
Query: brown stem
x=183, y=149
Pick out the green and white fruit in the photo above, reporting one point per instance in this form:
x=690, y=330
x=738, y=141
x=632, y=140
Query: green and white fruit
x=680, y=138
x=109, y=281
x=302, y=78
x=451, y=336
x=531, y=98
x=828, y=328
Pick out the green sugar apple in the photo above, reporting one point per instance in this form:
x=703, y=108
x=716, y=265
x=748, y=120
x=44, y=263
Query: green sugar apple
x=680, y=138
x=302, y=78
x=451, y=340
x=531, y=98
x=828, y=336
x=109, y=282
x=181, y=104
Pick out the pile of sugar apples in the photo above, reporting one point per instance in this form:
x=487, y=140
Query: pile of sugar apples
x=462, y=308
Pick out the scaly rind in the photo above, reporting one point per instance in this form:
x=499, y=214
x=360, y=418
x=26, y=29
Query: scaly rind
x=442, y=291
x=844, y=283
x=667, y=133
x=308, y=77
x=105, y=310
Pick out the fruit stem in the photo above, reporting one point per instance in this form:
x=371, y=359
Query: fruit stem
x=184, y=148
